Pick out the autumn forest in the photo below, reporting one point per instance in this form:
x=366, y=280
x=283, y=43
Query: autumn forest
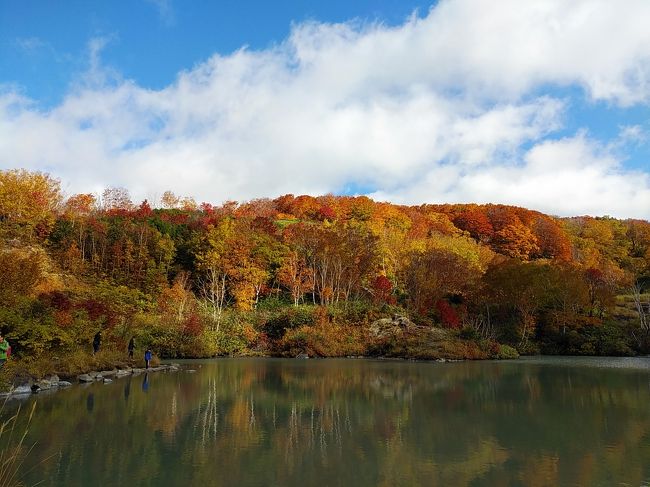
x=312, y=275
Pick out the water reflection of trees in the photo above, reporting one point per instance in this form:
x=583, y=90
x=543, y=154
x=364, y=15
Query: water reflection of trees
x=349, y=422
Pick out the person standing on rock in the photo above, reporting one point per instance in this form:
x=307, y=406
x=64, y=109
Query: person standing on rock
x=147, y=357
x=5, y=350
x=97, y=341
x=131, y=347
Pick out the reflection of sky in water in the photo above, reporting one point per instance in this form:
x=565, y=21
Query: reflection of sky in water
x=352, y=422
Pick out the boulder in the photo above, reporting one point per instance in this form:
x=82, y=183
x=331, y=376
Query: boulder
x=46, y=384
x=85, y=378
x=302, y=356
x=24, y=389
x=107, y=380
x=390, y=326
x=64, y=383
x=108, y=373
x=122, y=373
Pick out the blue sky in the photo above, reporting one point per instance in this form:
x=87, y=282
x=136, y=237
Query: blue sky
x=539, y=104
x=44, y=44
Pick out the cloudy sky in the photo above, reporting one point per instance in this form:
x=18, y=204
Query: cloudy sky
x=542, y=104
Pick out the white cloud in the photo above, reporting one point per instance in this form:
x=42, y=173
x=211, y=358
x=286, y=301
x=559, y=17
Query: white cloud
x=442, y=108
x=165, y=10
x=569, y=176
x=30, y=45
x=634, y=134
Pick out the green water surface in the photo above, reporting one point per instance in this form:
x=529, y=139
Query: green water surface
x=272, y=422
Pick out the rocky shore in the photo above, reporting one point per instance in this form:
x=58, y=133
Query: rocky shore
x=53, y=381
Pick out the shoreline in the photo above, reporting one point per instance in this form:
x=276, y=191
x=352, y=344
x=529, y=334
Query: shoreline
x=54, y=383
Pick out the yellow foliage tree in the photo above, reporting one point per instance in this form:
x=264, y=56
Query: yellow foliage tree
x=28, y=202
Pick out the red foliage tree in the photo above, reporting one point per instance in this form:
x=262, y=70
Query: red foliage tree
x=383, y=289
x=326, y=213
x=447, y=314
x=144, y=210
x=193, y=325
x=476, y=223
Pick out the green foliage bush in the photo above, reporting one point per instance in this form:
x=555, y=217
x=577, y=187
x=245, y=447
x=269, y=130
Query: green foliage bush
x=605, y=339
x=507, y=352
x=227, y=343
x=528, y=348
x=272, y=304
x=354, y=311
x=469, y=333
x=609, y=339
x=289, y=319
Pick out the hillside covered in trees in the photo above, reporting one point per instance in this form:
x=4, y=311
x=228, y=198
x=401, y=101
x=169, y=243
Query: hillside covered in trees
x=302, y=274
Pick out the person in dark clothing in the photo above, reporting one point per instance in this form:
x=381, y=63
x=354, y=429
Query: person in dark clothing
x=97, y=341
x=131, y=347
x=147, y=357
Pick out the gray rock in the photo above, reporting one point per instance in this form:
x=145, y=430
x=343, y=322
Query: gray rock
x=54, y=379
x=46, y=384
x=108, y=373
x=390, y=326
x=99, y=377
x=122, y=373
x=190, y=371
x=93, y=374
x=107, y=380
x=24, y=389
x=302, y=356
x=86, y=378
x=64, y=383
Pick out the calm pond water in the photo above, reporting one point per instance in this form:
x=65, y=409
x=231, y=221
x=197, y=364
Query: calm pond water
x=268, y=422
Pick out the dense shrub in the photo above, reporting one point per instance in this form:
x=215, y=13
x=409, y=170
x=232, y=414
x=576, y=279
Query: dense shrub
x=289, y=319
x=353, y=312
x=507, y=352
x=324, y=340
x=603, y=339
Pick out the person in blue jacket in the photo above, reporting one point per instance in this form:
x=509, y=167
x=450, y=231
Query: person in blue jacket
x=147, y=357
